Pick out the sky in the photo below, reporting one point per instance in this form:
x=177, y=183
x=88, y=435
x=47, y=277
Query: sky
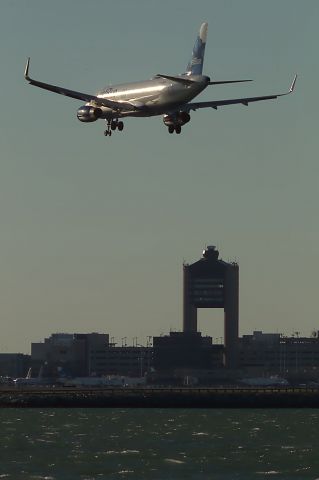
x=95, y=230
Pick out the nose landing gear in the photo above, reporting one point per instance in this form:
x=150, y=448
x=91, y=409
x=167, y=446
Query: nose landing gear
x=113, y=125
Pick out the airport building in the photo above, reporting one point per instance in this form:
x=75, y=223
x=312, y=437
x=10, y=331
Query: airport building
x=208, y=283
x=213, y=283
x=172, y=357
x=66, y=354
x=273, y=353
x=186, y=350
x=133, y=361
x=14, y=365
x=88, y=354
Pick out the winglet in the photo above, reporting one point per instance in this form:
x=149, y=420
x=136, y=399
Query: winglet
x=26, y=70
x=292, y=86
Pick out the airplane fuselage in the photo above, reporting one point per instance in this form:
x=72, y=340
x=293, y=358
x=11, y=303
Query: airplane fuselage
x=153, y=97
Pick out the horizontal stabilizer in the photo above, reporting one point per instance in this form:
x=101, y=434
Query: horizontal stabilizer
x=183, y=80
x=220, y=82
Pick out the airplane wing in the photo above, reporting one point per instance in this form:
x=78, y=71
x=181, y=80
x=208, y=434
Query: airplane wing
x=244, y=101
x=78, y=95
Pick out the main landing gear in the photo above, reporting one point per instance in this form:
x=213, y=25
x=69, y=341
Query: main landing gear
x=113, y=125
x=174, y=121
x=176, y=128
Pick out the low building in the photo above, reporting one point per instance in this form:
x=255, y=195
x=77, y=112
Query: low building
x=14, y=365
x=88, y=354
x=66, y=354
x=186, y=350
x=132, y=361
x=274, y=353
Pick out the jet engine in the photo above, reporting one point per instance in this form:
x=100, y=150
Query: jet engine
x=88, y=114
x=184, y=117
x=177, y=118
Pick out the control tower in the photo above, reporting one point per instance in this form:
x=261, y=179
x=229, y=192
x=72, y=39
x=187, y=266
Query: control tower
x=212, y=283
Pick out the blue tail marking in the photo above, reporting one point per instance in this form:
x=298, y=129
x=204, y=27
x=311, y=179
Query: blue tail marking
x=195, y=66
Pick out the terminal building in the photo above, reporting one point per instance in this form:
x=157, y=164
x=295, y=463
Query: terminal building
x=273, y=353
x=66, y=354
x=88, y=354
x=171, y=358
x=14, y=365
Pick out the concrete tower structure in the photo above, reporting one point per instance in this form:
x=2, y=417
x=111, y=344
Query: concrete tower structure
x=213, y=283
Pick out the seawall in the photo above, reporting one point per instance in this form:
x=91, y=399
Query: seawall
x=159, y=397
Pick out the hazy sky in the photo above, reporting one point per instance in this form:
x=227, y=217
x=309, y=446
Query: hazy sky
x=94, y=230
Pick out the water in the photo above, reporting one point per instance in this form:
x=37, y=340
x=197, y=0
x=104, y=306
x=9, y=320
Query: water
x=158, y=444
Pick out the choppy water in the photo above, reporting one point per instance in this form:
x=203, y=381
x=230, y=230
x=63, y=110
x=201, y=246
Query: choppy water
x=158, y=444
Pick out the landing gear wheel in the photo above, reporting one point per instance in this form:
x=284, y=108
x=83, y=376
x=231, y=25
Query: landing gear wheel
x=120, y=126
x=171, y=129
x=178, y=129
x=108, y=132
x=113, y=125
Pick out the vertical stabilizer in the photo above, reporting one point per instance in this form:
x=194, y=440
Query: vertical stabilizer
x=195, y=66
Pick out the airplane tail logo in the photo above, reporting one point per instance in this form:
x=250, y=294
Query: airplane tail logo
x=195, y=66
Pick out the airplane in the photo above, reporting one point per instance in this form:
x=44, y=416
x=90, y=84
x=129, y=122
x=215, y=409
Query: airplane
x=29, y=380
x=167, y=95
